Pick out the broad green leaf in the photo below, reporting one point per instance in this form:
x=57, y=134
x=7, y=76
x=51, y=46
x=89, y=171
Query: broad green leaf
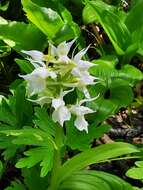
x=139, y=164
x=42, y=155
x=47, y=20
x=95, y=155
x=111, y=22
x=22, y=36
x=120, y=93
x=130, y=74
x=94, y=180
x=70, y=29
x=135, y=173
x=135, y=16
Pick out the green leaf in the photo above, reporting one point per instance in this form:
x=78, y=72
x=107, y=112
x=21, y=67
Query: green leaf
x=5, y=6
x=42, y=155
x=21, y=36
x=23, y=107
x=130, y=74
x=69, y=30
x=6, y=113
x=30, y=136
x=111, y=22
x=81, y=140
x=94, y=180
x=95, y=155
x=47, y=20
x=1, y=168
x=24, y=65
x=135, y=16
x=44, y=122
x=139, y=164
x=15, y=186
x=32, y=179
x=135, y=173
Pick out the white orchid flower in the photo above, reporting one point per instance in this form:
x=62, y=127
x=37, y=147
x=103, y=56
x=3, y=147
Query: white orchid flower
x=37, y=80
x=81, y=72
x=61, y=112
x=80, y=122
x=79, y=110
x=61, y=51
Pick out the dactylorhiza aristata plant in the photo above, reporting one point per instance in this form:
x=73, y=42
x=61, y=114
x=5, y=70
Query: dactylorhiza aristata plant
x=54, y=76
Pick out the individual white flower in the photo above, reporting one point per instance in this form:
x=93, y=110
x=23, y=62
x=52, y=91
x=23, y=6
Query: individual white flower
x=80, y=122
x=81, y=72
x=37, y=80
x=61, y=112
x=79, y=110
x=61, y=51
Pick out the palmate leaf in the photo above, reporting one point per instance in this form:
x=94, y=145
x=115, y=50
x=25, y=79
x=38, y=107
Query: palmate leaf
x=46, y=19
x=22, y=36
x=94, y=180
x=94, y=155
x=115, y=28
x=42, y=154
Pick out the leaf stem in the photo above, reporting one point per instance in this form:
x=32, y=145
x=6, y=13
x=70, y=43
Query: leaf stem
x=57, y=158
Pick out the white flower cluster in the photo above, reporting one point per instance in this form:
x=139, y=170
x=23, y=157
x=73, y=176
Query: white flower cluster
x=53, y=75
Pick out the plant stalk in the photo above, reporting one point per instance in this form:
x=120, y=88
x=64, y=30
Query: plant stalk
x=57, y=158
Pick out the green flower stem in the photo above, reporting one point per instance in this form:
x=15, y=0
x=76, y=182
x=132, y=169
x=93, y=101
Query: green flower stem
x=57, y=158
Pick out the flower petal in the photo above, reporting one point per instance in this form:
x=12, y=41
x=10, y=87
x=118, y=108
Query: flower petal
x=85, y=65
x=34, y=54
x=80, y=110
x=80, y=54
x=36, y=64
x=61, y=115
x=81, y=124
x=57, y=102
